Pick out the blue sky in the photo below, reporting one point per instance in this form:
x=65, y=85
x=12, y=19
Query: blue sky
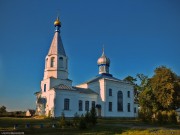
x=138, y=36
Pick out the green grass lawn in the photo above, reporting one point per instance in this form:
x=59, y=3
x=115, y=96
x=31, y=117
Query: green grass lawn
x=104, y=127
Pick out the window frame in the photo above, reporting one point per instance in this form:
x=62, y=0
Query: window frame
x=93, y=104
x=66, y=104
x=110, y=106
x=110, y=92
x=80, y=105
x=119, y=101
x=128, y=94
x=128, y=107
x=86, y=105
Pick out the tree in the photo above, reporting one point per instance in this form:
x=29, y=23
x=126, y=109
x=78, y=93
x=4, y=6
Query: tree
x=2, y=109
x=93, y=117
x=159, y=94
x=166, y=88
x=87, y=117
x=76, y=119
x=130, y=79
x=82, y=122
x=143, y=81
x=133, y=80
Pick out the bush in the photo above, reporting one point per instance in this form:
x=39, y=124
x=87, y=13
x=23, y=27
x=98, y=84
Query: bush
x=145, y=116
x=62, y=120
x=76, y=120
x=87, y=117
x=159, y=117
x=172, y=117
x=82, y=122
x=93, y=117
x=166, y=116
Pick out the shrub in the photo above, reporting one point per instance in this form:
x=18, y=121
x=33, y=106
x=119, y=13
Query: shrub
x=164, y=116
x=87, y=117
x=62, y=120
x=82, y=122
x=145, y=116
x=159, y=117
x=93, y=117
x=172, y=117
x=76, y=120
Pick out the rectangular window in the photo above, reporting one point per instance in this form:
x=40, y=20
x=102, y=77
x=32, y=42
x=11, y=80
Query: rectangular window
x=135, y=110
x=110, y=92
x=128, y=93
x=110, y=106
x=87, y=106
x=93, y=104
x=44, y=87
x=128, y=107
x=80, y=105
x=66, y=104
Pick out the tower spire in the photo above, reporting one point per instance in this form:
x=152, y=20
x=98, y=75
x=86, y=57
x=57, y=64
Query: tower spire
x=57, y=45
x=103, y=50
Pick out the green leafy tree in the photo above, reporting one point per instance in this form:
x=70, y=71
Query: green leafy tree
x=144, y=80
x=133, y=80
x=166, y=88
x=159, y=94
x=87, y=117
x=2, y=110
x=82, y=122
x=93, y=116
x=130, y=79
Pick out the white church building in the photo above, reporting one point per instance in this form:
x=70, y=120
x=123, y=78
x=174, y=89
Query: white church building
x=110, y=96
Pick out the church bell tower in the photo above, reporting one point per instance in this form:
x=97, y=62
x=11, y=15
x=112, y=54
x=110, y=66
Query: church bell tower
x=56, y=62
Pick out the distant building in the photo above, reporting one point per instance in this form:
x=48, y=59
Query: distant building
x=30, y=112
x=110, y=96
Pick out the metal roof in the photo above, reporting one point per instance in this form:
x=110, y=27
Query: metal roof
x=57, y=45
x=74, y=89
x=105, y=76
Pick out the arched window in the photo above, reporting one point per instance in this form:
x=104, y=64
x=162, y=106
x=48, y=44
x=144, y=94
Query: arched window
x=80, y=105
x=93, y=105
x=52, y=62
x=128, y=93
x=120, y=101
x=61, y=62
x=110, y=106
x=86, y=105
x=110, y=92
x=46, y=63
x=66, y=104
x=129, y=107
x=44, y=87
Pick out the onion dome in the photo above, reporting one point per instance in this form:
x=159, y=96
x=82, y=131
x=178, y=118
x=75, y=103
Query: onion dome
x=103, y=60
x=57, y=22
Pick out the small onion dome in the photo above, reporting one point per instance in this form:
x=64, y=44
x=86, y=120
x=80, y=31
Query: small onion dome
x=57, y=22
x=103, y=60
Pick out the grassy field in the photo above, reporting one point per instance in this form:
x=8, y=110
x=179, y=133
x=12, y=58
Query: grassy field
x=104, y=127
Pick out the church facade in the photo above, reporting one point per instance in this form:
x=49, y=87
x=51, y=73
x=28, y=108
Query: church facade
x=110, y=96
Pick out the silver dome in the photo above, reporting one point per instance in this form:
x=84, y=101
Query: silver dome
x=103, y=60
